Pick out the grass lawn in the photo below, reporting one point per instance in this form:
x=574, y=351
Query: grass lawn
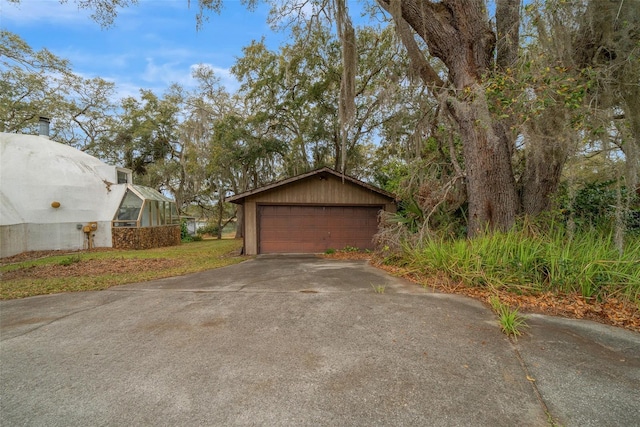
x=95, y=270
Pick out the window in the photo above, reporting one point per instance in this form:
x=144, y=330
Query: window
x=145, y=207
x=123, y=177
x=129, y=210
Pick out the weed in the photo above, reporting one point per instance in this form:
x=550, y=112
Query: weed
x=73, y=259
x=378, y=289
x=548, y=261
x=330, y=251
x=511, y=322
x=350, y=249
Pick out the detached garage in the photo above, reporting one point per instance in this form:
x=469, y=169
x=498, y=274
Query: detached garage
x=311, y=213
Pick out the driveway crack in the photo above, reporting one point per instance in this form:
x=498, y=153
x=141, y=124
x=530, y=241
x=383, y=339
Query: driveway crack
x=532, y=381
x=58, y=319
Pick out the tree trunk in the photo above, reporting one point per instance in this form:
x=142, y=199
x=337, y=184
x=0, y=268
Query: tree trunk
x=240, y=222
x=491, y=190
x=546, y=153
x=219, y=219
x=508, y=28
x=458, y=32
x=631, y=148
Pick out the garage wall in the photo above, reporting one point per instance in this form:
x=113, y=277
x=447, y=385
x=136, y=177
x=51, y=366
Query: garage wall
x=330, y=191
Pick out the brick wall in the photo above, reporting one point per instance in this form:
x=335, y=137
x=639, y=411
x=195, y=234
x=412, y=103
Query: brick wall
x=145, y=237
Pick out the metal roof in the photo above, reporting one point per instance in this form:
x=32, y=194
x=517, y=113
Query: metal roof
x=147, y=193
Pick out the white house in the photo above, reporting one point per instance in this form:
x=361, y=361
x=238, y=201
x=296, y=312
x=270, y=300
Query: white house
x=53, y=196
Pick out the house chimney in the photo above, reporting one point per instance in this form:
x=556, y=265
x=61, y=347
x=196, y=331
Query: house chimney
x=43, y=126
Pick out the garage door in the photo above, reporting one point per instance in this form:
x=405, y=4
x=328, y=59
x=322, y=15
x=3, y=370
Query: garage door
x=313, y=229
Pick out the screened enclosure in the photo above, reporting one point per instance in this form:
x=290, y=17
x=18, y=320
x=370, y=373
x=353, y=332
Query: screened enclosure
x=145, y=207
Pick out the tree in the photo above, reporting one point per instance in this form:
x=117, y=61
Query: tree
x=511, y=164
x=458, y=32
x=606, y=42
x=29, y=86
x=297, y=91
x=87, y=116
x=34, y=84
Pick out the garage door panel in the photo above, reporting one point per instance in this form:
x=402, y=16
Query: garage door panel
x=315, y=228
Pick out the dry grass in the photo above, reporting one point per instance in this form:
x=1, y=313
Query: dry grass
x=611, y=311
x=40, y=273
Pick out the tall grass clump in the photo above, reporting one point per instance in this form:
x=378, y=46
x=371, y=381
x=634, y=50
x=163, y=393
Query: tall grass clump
x=528, y=260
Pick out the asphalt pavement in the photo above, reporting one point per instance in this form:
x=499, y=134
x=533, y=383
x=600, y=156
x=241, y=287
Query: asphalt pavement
x=302, y=341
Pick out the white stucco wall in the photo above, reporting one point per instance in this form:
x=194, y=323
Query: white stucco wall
x=34, y=172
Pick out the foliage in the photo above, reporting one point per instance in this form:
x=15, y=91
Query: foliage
x=565, y=93
x=511, y=322
x=533, y=260
x=185, y=237
x=594, y=206
x=115, y=267
x=410, y=215
x=295, y=92
x=211, y=229
x=70, y=260
x=378, y=289
x=38, y=83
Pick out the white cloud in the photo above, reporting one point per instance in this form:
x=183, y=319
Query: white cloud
x=166, y=73
x=227, y=79
x=151, y=45
x=33, y=11
x=126, y=90
x=173, y=72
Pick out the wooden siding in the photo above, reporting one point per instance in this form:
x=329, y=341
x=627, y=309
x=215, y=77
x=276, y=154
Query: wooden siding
x=328, y=191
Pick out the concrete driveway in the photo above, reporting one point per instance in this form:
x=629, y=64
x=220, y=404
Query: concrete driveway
x=303, y=341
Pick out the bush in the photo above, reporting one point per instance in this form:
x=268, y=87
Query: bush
x=528, y=262
x=210, y=229
x=594, y=205
x=185, y=237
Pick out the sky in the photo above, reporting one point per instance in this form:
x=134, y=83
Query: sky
x=150, y=46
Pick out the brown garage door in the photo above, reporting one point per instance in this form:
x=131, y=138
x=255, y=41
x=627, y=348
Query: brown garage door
x=312, y=229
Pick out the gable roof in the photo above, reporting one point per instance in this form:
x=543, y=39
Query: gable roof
x=239, y=198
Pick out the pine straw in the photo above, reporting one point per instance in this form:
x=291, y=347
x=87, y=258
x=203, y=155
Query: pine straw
x=613, y=311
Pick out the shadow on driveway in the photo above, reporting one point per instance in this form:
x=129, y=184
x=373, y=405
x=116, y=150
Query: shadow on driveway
x=292, y=340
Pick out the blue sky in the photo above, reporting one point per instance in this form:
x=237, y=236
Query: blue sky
x=150, y=46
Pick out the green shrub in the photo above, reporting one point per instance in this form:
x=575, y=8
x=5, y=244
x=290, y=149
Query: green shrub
x=210, y=229
x=525, y=262
x=594, y=206
x=184, y=232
